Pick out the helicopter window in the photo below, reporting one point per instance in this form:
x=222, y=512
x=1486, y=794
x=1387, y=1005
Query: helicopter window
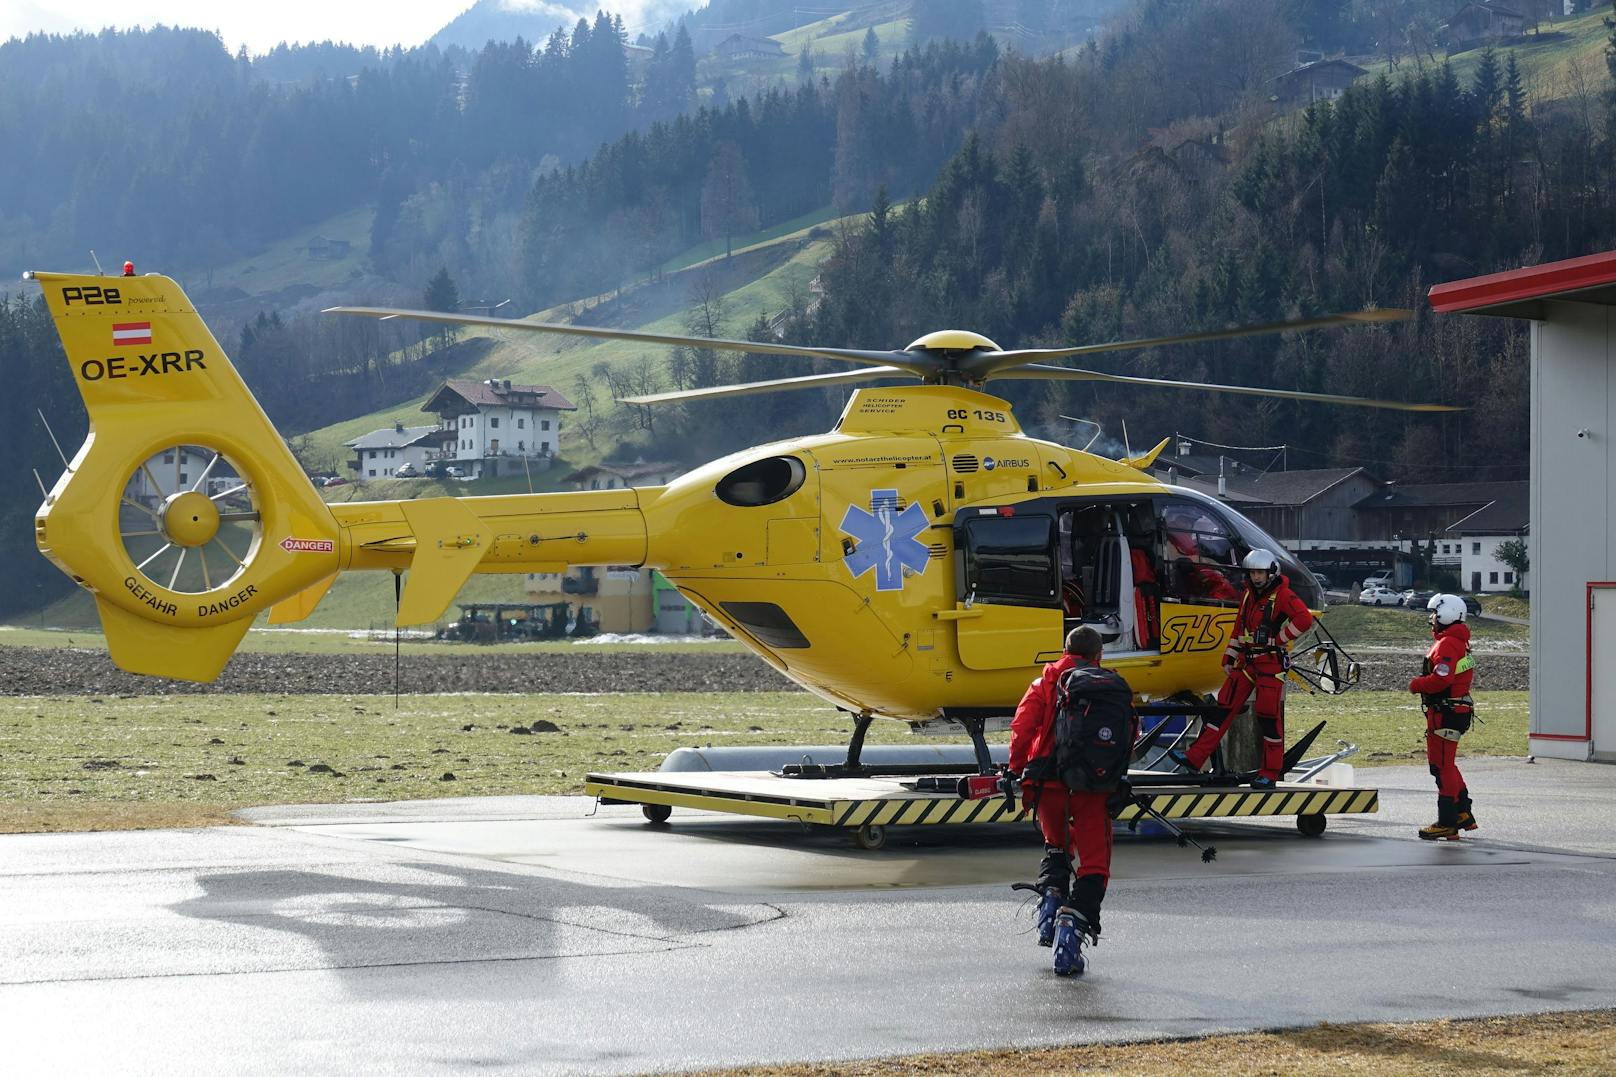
x=1010, y=559
x=1247, y=536
x=1200, y=555
x=762, y=482
x=768, y=624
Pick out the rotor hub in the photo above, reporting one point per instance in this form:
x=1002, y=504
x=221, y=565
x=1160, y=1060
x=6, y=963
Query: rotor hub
x=189, y=518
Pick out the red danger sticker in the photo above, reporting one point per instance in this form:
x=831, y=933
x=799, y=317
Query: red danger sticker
x=297, y=545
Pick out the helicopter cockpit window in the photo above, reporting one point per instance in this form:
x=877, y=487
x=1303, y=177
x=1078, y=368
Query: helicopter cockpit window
x=1010, y=559
x=1199, y=554
x=1188, y=573
x=762, y=482
x=1301, y=580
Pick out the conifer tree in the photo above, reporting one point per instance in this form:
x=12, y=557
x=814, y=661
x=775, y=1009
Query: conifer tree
x=441, y=294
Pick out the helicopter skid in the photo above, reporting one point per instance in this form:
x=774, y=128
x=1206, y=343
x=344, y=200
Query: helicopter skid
x=867, y=806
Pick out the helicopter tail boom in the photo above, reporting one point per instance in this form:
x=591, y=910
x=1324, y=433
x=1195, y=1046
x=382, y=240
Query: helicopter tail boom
x=185, y=513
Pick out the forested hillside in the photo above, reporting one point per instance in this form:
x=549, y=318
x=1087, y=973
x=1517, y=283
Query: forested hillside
x=161, y=145
x=1099, y=198
x=1145, y=182
x=1369, y=200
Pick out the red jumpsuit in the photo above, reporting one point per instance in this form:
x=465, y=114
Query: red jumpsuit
x=1146, y=601
x=1255, y=662
x=1445, y=686
x=1076, y=825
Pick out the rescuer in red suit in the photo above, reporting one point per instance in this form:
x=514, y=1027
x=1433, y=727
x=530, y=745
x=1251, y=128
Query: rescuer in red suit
x=1076, y=825
x=1268, y=621
x=1444, y=689
x=1198, y=540
x=1146, y=601
x=1202, y=581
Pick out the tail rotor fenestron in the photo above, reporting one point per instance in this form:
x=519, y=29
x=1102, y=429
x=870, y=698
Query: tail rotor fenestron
x=189, y=520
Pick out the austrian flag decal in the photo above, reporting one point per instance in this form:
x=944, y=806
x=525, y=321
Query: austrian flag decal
x=127, y=333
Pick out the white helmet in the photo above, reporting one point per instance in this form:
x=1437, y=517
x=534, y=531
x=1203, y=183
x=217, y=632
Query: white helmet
x=1448, y=609
x=1260, y=560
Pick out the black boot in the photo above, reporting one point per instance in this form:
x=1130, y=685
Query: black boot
x=1447, y=819
x=1054, y=883
x=1055, y=873
x=1087, y=894
x=1465, y=819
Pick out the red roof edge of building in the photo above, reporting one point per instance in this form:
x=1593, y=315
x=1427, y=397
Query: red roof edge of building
x=1520, y=285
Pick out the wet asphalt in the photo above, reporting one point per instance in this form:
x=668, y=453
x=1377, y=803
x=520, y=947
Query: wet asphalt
x=521, y=935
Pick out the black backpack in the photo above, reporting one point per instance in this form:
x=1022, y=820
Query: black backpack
x=1095, y=729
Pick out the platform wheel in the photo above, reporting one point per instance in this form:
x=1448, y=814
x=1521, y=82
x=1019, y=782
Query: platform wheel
x=1311, y=826
x=656, y=813
x=870, y=837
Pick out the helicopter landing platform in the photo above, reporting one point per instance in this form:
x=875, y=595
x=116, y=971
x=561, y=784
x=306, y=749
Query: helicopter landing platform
x=868, y=806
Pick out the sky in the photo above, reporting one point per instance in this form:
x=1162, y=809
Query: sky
x=260, y=25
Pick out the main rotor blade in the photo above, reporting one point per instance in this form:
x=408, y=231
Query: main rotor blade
x=1063, y=373
x=918, y=364
x=808, y=381
x=991, y=361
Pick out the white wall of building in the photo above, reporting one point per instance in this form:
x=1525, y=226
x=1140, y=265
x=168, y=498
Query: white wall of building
x=1572, y=545
x=1479, y=566
x=381, y=463
x=505, y=431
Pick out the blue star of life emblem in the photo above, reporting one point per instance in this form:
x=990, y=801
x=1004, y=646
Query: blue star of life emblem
x=886, y=539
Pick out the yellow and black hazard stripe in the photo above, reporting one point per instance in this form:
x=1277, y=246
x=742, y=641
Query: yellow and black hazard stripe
x=1256, y=802
x=912, y=810
x=922, y=811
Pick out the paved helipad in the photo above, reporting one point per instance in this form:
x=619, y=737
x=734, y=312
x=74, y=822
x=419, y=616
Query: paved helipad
x=516, y=933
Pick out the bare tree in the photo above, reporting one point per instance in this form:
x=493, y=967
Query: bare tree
x=588, y=419
x=727, y=203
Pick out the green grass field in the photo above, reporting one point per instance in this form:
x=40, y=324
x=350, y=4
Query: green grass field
x=1388, y=626
x=1507, y=606
x=287, y=262
x=796, y=228
x=77, y=763
x=1549, y=61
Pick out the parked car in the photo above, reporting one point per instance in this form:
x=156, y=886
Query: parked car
x=1379, y=579
x=1324, y=581
x=453, y=472
x=406, y=471
x=1472, y=607
x=1378, y=596
x=434, y=469
x=1416, y=600
x=335, y=480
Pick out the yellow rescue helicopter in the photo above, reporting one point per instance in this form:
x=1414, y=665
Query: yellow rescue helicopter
x=917, y=562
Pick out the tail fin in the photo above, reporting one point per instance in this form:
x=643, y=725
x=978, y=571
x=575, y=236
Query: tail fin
x=183, y=512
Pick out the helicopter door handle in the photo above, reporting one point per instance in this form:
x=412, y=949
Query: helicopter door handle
x=957, y=615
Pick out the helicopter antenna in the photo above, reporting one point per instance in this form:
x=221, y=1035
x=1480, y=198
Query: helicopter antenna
x=1127, y=450
x=42, y=491
x=97, y=262
x=1098, y=429
x=54, y=442
x=398, y=593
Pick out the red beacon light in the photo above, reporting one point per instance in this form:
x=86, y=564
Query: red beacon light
x=129, y=269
